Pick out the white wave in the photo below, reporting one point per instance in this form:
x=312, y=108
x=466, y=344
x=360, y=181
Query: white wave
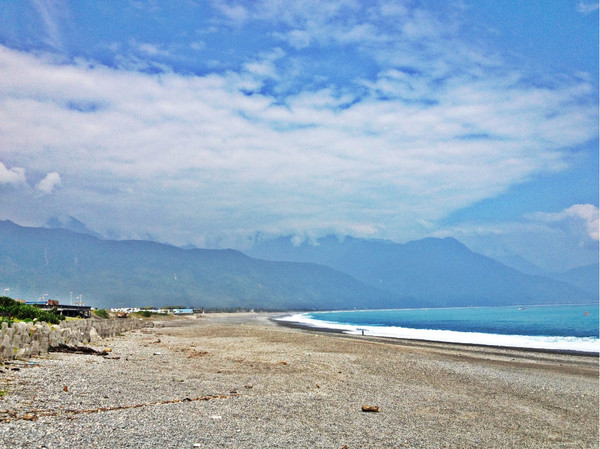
x=578, y=344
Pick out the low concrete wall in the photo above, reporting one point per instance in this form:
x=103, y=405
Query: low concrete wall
x=23, y=340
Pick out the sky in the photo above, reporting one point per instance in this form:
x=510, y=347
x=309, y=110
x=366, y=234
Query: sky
x=216, y=123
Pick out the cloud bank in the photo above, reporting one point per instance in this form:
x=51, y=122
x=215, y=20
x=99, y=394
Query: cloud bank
x=203, y=149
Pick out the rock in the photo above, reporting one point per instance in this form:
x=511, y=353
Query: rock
x=370, y=408
x=35, y=347
x=94, y=336
x=6, y=342
x=24, y=352
x=7, y=352
x=26, y=339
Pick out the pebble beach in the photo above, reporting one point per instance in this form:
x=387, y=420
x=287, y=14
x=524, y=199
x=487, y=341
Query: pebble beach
x=242, y=381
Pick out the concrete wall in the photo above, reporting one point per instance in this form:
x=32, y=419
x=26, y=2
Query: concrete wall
x=23, y=340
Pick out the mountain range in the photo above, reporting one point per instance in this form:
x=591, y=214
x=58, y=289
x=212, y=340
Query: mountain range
x=331, y=273
x=442, y=272
x=109, y=273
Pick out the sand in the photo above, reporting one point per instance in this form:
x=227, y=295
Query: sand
x=240, y=381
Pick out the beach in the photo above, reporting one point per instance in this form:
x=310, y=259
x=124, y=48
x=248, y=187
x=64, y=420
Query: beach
x=242, y=381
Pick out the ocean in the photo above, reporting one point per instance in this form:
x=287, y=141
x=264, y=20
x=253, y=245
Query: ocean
x=555, y=327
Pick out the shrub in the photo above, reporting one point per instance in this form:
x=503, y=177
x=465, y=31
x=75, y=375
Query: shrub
x=102, y=313
x=11, y=309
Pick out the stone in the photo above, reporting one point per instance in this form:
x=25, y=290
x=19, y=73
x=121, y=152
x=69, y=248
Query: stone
x=24, y=352
x=7, y=352
x=35, y=347
x=94, y=336
x=370, y=408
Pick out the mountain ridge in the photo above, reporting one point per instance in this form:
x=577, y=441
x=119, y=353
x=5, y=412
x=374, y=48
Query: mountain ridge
x=330, y=273
x=134, y=272
x=442, y=271
x=585, y=277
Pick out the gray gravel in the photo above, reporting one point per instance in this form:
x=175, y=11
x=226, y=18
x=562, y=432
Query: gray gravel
x=239, y=381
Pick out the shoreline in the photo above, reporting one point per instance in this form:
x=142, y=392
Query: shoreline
x=353, y=330
x=244, y=380
x=416, y=341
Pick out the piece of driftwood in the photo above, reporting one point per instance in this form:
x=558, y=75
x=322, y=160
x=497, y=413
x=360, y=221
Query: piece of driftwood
x=76, y=349
x=32, y=415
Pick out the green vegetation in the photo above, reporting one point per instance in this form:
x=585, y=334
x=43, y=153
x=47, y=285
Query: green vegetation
x=243, y=309
x=102, y=313
x=11, y=310
x=148, y=314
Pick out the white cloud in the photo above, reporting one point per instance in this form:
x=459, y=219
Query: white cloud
x=582, y=216
x=264, y=67
x=198, y=45
x=149, y=50
x=234, y=12
x=14, y=176
x=587, y=7
x=298, y=39
x=51, y=12
x=49, y=183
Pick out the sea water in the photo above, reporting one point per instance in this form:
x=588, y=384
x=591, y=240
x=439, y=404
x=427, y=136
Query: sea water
x=560, y=328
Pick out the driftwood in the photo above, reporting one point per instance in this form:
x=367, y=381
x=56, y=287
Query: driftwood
x=76, y=350
x=32, y=415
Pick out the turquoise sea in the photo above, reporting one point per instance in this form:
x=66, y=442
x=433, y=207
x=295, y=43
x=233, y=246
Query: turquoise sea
x=556, y=327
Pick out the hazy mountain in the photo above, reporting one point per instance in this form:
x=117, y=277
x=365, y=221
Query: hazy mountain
x=521, y=264
x=443, y=272
x=331, y=274
x=585, y=277
x=71, y=224
x=111, y=273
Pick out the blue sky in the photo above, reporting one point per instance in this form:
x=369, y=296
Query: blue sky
x=207, y=122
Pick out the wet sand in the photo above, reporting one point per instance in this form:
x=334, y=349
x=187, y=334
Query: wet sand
x=239, y=380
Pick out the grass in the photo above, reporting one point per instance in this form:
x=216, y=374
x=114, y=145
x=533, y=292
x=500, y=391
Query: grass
x=102, y=313
x=148, y=314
